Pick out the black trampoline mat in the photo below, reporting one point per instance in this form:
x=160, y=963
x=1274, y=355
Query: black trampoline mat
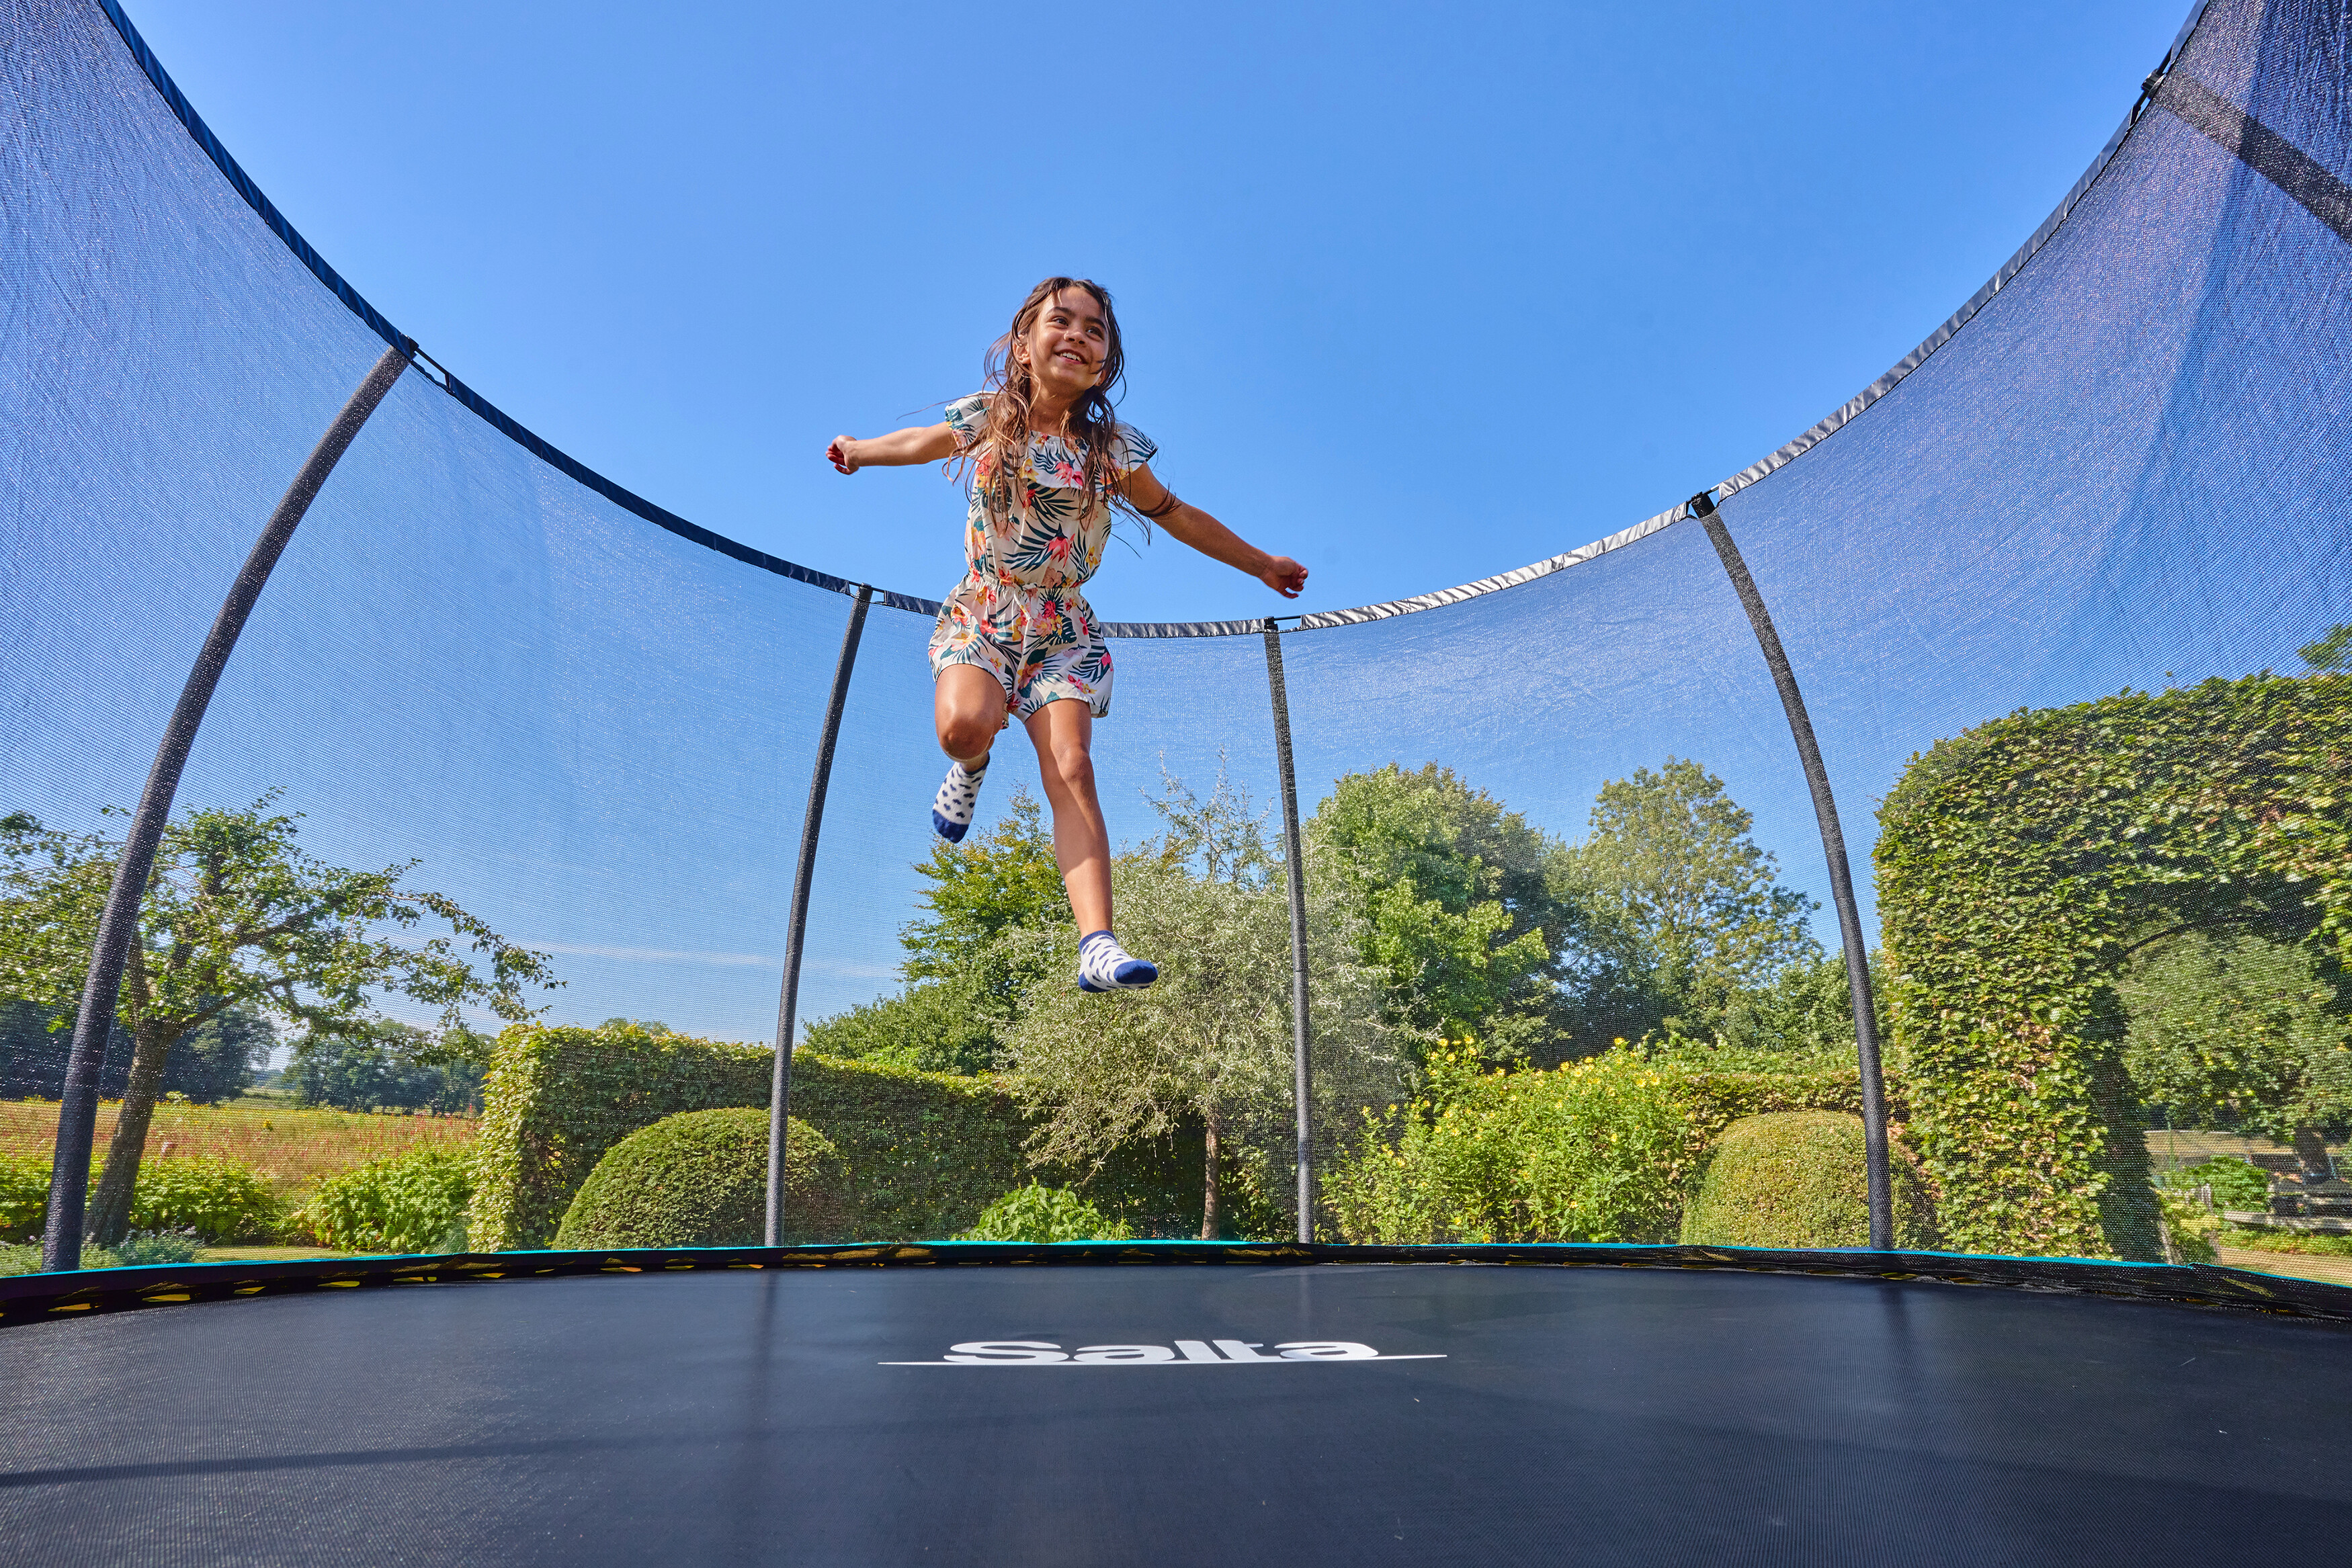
x=1557, y=1414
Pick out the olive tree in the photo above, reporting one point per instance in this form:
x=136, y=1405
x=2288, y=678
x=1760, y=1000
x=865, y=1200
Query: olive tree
x=1212, y=1041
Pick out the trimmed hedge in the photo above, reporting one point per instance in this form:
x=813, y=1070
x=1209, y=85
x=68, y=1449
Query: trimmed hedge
x=2019, y=859
x=1800, y=1178
x=700, y=1179
x=1603, y=1149
x=413, y=1202
x=924, y=1153
x=556, y=1099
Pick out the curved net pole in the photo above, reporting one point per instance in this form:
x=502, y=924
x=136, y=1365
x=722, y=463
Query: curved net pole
x=1857, y=960
x=1297, y=876
x=788, y=1002
x=117, y=923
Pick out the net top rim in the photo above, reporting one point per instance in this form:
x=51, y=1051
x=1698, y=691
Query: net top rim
x=628, y=500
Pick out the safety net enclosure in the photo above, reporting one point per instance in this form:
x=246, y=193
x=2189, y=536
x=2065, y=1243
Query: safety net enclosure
x=2008, y=703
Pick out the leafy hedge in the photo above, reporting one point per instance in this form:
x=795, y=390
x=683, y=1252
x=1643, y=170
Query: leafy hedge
x=413, y=1202
x=2017, y=864
x=925, y=1153
x=1605, y=1149
x=700, y=1179
x=1800, y=1178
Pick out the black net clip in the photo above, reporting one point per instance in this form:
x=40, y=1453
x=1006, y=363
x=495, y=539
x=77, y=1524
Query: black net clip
x=1702, y=504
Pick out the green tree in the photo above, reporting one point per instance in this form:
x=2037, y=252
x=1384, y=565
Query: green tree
x=1471, y=915
x=1211, y=1039
x=1686, y=898
x=2240, y=1029
x=233, y=915
x=374, y=1063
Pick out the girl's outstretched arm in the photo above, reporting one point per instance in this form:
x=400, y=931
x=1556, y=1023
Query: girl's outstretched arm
x=917, y=444
x=1210, y=538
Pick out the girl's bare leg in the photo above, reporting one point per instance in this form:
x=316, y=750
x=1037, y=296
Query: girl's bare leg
x=967, y=706
x=1064, y=733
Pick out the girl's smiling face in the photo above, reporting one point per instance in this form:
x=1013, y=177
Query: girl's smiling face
x=1064, y=345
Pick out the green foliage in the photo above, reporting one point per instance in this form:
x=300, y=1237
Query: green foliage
x=1800, y=1178
x=139, y=1249
x=24, y=1194
x=373, y=1063
x=411, y=1202
x=933, y=1026
x=1685, y=898
x=2237, y=1183
x=1469, y=913
x=967, y=959
x=700, y=1179
x=2019, y=863
x=1040, y=1213
x=927, y=1152
x=2191, y=1226
x=1211, y=1042
x=2235, y=1028
x=2310, y=1243
x=557, y=1098
x=219, y=1200
x=1604, y=1149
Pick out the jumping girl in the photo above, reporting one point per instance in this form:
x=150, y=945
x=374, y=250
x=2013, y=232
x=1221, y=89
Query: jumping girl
x=1048, y=464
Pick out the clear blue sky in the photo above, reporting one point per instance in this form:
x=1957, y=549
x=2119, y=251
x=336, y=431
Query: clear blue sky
x=1415, y=293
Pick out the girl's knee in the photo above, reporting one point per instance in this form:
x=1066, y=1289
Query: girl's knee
x=966, y=735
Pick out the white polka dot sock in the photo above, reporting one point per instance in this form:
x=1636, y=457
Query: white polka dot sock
x=951, y=808
x=1105, y=965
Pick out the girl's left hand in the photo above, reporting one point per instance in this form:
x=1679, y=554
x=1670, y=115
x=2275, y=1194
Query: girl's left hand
x=839, y=455
x=1283, y=575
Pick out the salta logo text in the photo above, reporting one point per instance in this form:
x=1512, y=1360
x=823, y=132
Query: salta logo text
x=1182, y=1353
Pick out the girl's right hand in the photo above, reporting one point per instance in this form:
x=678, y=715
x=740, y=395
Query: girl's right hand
x=842, y=454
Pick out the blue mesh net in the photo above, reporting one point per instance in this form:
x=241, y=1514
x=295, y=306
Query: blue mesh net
x=2121, y=470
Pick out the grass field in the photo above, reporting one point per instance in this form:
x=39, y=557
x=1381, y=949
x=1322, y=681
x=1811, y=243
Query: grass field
x=289, y=1148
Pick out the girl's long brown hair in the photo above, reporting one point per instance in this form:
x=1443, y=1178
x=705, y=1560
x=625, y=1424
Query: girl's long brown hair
x=1013, y=388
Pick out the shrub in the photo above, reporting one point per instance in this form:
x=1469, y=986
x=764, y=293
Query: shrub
x=24, y=1194
x=136, y=1250
x=414, y=1202
x=1596, y=1151
x=1799, y=1179
x=2237, y=1183
x=2192, y=1225
x=220, y=1200
x=1041, y=1213
x=2313, y=1243
x=700, y=1179
x=1604, y=1149
x=556, y=1099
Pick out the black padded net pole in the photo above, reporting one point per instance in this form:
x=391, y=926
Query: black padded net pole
x=117, y=923
x=796, y=930
x=1294, y=864
x=1817, y=779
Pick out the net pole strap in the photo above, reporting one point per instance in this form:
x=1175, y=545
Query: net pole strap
x=780, y=1092
x=1293, y=863
x=1857, y=960
x=117, y=923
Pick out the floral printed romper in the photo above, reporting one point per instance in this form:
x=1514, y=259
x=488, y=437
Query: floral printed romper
x=1018, y=613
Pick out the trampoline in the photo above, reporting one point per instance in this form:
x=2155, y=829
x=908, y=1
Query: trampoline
x=1434, y=1413
x=2118, y=465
